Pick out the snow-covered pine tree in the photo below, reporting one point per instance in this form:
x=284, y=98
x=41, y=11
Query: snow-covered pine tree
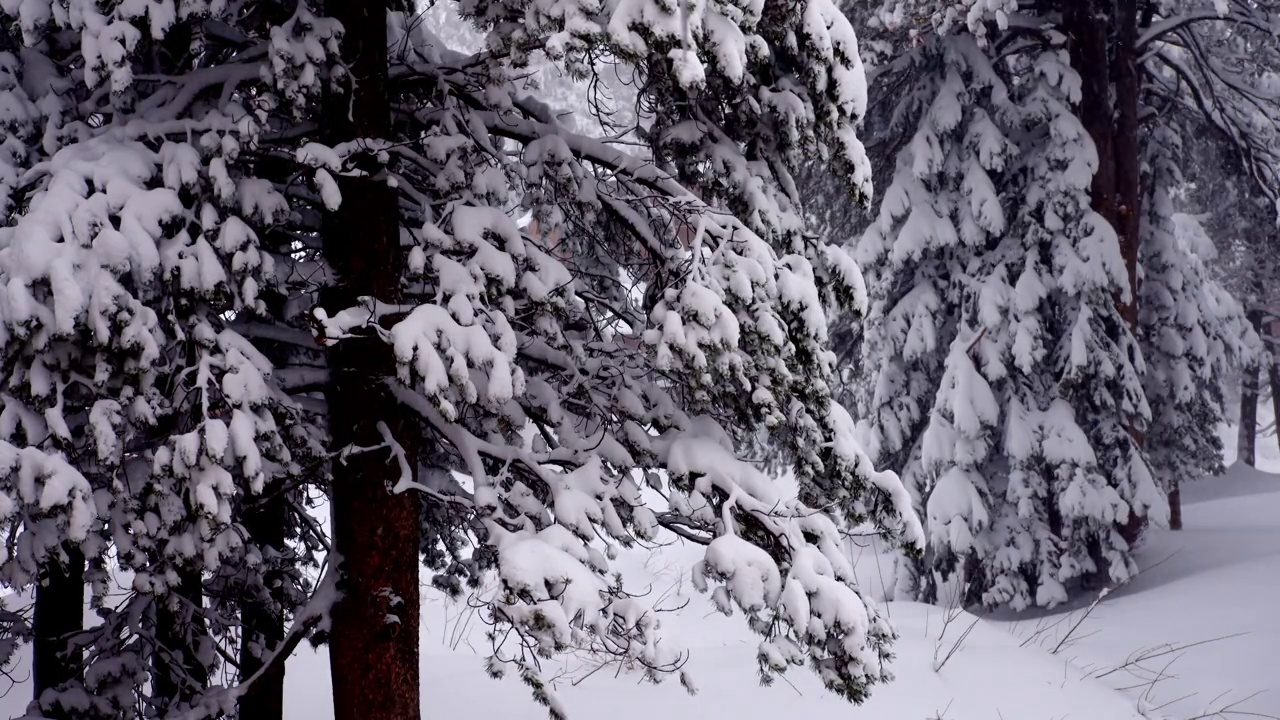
x=1059, y=346
x=921, y=254
x=1214, y=67
x=1083, y=473
x=1193, y=332
x=1017, y=499
x=1020, y=454
x=163, y=218
x=1239, y=221
x=140, y=425
x=558, y=391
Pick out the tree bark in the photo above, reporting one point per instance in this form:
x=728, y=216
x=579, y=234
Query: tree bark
x=1128, y=189
x=1175, y=507
x=1103, y=51
x=261, y=620
x=1274, y=373
x=1128, y=211
x=1246, y=441
x=1245, y=448
x=58, y=616
x=374, y=640
x=1086, y=25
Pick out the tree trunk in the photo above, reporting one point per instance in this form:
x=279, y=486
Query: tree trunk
x=1128, y=188
x=58, y=616
x=1245, y=449
x=1128, y=211
x=1085, y=24
x=178, y=674
x=1105, y=56
x=261, y=621
x=1246, y=441
x=374, y=640
x=1274, y=373
x=1175, y=506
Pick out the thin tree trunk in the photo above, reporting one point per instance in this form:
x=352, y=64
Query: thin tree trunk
x=374, y=640
x=1246, y=441
x=58, y=616
x=1128, y=188
x=1128, y=213
x=1175, y=506
x=1274, y=372
x=261, y=621
x=1086, y=25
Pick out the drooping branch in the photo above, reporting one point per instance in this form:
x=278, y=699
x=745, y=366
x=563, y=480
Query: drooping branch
x=221, y=702
x=1167, y=26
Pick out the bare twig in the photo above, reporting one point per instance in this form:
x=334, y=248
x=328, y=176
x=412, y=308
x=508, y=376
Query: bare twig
x=1229, y=710
x=1158, y=651
x=1084, y=616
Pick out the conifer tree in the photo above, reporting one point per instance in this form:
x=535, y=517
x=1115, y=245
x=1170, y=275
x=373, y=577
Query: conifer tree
x=189, y=228
x=1194, y=333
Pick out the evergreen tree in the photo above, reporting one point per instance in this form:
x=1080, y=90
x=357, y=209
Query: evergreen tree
x=924, y=251
x=1193, y=331
x=1017, y=399
x=192, y=311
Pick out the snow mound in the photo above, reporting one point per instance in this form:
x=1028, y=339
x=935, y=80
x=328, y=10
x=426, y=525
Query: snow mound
x=1239, y=480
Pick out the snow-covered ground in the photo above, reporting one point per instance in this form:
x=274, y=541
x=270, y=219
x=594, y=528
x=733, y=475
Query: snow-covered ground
x=1194, y=635
x=988, y=676
x=1196, y=632
x=1212, y=583
x=1133, y=656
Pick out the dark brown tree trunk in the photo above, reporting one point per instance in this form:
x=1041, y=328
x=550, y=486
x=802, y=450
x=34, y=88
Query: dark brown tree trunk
x=261, y=621
x=178, y=673
x=1274, y=373
x=1103, y=51
x=1175, y=507
x=58, y=616
x=1128, y=210
x=374, y=641
x=1128, y=188
x=1086, y=25
x=1246, y=441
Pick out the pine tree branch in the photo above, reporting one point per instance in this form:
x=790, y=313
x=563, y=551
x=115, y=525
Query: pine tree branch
x=316, y=610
